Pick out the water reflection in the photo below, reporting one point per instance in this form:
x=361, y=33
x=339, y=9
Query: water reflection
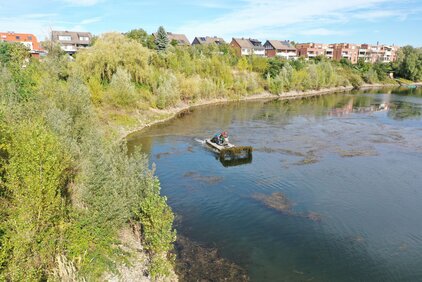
x=235, y=161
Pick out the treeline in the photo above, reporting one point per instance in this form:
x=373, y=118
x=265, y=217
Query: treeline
x=68, y=186
x=135, y=71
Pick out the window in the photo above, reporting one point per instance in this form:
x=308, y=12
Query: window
x=83, y=38
x=18, y=37
x=65, y=38
x=29, y=37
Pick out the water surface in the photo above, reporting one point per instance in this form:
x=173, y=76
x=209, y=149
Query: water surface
x=348, y=165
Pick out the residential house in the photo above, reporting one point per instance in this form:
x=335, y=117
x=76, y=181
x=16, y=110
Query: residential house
x=282, y=49
x=208, y=40
x=248, y=47
x=29, y=40
x=71, y=41
x=181, y=39
x=311, y=50
x=346, y=51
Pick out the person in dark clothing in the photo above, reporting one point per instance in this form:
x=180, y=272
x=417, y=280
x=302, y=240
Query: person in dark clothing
x=221, y=139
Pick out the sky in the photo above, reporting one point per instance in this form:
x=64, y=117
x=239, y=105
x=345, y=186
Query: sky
x=396, y=22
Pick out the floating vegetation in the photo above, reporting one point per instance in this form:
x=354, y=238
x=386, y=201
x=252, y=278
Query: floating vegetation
x=279, y=202
x=276, y=200
x=357, y=153
x=203, y=178
x=238, y=152
x=310, y=158
x=197, y=263
x=160, y=155
x=314, y=216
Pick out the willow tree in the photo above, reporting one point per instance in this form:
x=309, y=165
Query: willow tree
x=110, y=52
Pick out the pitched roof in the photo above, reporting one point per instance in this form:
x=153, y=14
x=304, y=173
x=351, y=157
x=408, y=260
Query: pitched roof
x=209, y=40
x=180, y=38
x=248, y=43
x=74, y=36
x=283, y=45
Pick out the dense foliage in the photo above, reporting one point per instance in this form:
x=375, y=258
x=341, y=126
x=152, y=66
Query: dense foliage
x=409, y=64
x=67, y=187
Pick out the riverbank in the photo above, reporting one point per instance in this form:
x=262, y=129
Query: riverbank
x=155, y=116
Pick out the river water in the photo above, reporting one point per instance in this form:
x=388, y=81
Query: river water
x=345, y=168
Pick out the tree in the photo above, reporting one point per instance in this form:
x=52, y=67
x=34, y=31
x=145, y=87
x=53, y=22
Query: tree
x=138, y=35
x=13, y=53
x=101, y=61
x=161, y=39
x=174, y=42
x=410, y=65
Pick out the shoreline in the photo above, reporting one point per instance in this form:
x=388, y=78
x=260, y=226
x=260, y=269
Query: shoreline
x=294, y=94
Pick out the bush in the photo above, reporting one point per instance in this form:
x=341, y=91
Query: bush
x=35, y=178
x=157, y=226
x=355, y=80
x=166, y=90
x=122, y=91
x=370, y=76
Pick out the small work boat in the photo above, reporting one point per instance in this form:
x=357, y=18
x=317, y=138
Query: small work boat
x=218, y=147
x=229, y=151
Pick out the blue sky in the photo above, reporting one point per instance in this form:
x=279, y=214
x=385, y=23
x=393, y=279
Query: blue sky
x=328, y=21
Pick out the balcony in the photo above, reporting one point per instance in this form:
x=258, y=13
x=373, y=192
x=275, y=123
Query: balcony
x=287, y=55
x=259, y=52
x=69, y=48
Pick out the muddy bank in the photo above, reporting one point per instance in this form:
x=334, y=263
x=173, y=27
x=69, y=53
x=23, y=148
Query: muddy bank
x=198, y=263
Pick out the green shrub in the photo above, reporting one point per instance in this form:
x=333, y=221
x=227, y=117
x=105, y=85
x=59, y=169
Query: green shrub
x=35, y=178
x=122, y=91
x=370, y=76
x=355, y=80
x=157, y=227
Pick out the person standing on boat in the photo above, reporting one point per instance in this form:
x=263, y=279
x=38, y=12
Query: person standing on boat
x=221, y=139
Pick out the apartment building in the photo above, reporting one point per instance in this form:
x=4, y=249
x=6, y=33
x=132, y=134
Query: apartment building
x=27, y=39
x=346, y=51
x=248, y=47
x=378, y=53
x=282, y=49
x=311, y=50
x=71, y=41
